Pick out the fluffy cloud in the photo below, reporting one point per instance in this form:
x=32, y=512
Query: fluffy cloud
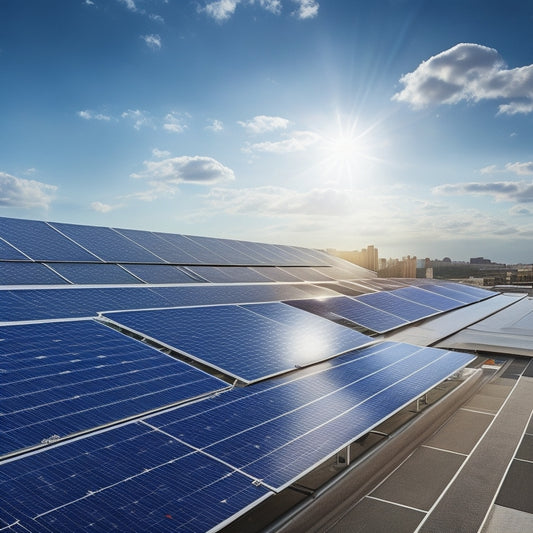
x=215, y=126
x=152, y=41
x=522, y=169
x=274, y=201
x=130, y=4
x=160, y=153
x=514, y=191
x=274, y=6
x=221, y=10
x=306, y=8
x=263, y=124
x=175, y=123
x=103, y=208
x=91, y=115
x=19, y=192
x=198, y=170
x=468, y=72
x=298, y=142
x=139, y=118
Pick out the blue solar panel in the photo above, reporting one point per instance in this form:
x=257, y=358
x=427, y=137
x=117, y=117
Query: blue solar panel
x=7, y=252
x=352, y=310
x=107, y=244
x=193, y=252
x=389, y=302
x=18, y=273
x=478, y=292
x=64, y=377
x=455, y=295
x=93, y=273
x=31, y=304
x=249, y=249
x=308, y=274
x=275, y=273
x=239, y=342
x=41, y=242
x=160, y=274
x=282, y=428
x=228, y=274
x=130, y=478
x=223, y=247
x=431, y=299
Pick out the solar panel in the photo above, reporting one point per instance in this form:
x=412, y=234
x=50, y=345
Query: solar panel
x=160, y=274
x=193, y=253
x=228, y=274
x=389, y=302
x=468, y=289
x=455, y=295
x=107, y=244
x=94, y=273
x=281, y=429
x=352, y=310
x=131, y=478
x=41, y=242
x=431, y=299
x=275, y=273
x=222, y=247
x=308, y=274
x=7, y=252
x=18, y=273
x=239, y=342
x=60, y=378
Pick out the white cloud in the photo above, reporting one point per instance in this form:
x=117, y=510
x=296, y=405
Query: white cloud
x=160, y=153
x=156, y=18
x=103, y=208
x=91, y=115
x=298, y=142
x=513, y=191
x=521, y=169
x=130, y=4
x=520, y=210
x=139, y=118
x=306, y=8
x=175, y=123
x=274, y=6
x=469, y=72
x=263, y=124
x=19, y=192
x=274, y=201
x=215, y=126
x=165, y=175
x=221, y=10
x=89, y=3
x=152, y=41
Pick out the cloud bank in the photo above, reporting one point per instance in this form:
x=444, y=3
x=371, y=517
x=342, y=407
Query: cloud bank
x=223, y=10
x=514, y=191
x=19, y=192
x=468, y=72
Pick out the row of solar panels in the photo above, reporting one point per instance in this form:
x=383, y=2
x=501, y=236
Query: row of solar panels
x=199, y=465
x=22, y=240
x=35, y=273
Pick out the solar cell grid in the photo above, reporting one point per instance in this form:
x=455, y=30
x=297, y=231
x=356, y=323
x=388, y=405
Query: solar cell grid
x=431, y=299
x=468, y=289
x=107, y=243
x=64, y=377
x=390, y=303
x=195, y=253
x=94, y=273
x=222, y=247
x=160, y=274
x=228, y=274
x=7, y=252
x=41, y=242
x=445, y=291
x=18, y=273
x=119, y=486
x=242, y=343
x=308, y=274
x=275, y=273
x=353, y=310
x=309, y=417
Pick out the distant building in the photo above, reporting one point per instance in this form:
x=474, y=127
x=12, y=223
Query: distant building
x=480, y=261
x=366, y=258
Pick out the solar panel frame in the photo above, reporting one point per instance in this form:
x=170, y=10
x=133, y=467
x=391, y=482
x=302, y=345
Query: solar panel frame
x=270, y=430
x=432, y=299
x=61, y=378
x=395, y=305
x=160, y=274
x=26, y=273
x=222, y=247
x=308, y=274
x=469, y=289
x=10, y=253
x=239, y=342
x=94, y=273
x=461, y=297
x=196, y=254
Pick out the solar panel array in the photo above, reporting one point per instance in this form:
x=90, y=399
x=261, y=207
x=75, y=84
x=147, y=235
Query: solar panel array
x=118, y=354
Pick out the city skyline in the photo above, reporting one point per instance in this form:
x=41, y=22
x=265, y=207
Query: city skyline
x=321, y=124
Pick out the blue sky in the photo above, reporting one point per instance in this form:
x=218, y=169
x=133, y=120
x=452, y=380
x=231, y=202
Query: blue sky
x=324, y=123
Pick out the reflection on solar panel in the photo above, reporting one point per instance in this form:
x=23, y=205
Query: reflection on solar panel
x=308, y=274
x=280, y=429
x=429, y=298
x=455, y=295
x=64, y=377
x=242, y=343
x=160, y=274
x=93, y=273
x=223, y=248
x=275, y=273
x=480, y=293
x=193, y=252
x=19, y=273
x=41, y=242
x=131, y=478
x=107, y=243
x=387, y=301
x=7, y=252
x=352, y=310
